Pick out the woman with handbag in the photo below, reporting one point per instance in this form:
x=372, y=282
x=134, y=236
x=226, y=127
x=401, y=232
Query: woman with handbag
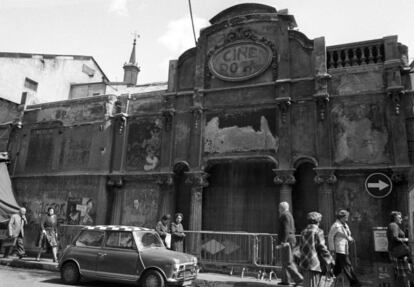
x=315, y=257
x=398, y=249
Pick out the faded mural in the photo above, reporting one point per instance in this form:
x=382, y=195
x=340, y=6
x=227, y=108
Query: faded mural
x=240, y=132
x=144, y=144
x=360, y=133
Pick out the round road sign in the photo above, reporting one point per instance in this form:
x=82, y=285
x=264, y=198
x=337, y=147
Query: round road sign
x=378, y=185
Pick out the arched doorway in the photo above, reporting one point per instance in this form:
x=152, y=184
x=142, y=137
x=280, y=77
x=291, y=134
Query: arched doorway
x=241, y=196
x=304, y=194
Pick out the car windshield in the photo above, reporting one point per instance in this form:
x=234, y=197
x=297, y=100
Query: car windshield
x=148, y=240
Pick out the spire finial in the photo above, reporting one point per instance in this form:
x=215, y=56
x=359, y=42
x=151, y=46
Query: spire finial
x=132, y=58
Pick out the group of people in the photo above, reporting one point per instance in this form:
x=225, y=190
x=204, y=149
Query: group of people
x=172, y=233
x=315, y=257
x=47, y=237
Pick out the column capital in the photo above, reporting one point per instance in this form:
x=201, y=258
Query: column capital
x=400, y=174
x=165, y=179
x=115, y=180
x=197, y=178
x=325, y=176
x=284, y=177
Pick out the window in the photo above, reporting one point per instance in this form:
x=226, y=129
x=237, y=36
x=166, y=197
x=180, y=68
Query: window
x=90, y=238
x=149, y=240
x=30, y=84
x=120, y=239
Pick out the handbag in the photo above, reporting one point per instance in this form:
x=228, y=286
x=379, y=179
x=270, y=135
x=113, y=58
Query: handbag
x=400, y=250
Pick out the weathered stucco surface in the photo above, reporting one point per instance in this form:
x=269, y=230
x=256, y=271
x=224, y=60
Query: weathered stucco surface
x=144, y=144
x=357, y=80
x=236, y=139
x=141, y=203
x=360, y=133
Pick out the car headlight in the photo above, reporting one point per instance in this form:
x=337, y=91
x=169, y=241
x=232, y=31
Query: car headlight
x=195, y=261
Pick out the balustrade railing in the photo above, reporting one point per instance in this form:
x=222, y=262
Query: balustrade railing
x=355, y=54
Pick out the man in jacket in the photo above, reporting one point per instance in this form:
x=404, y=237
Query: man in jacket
x=339, y=238
x=16, y=231
x=288, y=241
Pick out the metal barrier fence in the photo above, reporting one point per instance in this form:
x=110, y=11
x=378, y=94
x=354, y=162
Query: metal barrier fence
x=234, y=248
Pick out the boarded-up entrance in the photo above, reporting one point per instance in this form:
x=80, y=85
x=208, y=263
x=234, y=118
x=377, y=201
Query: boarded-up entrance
x=241, y=196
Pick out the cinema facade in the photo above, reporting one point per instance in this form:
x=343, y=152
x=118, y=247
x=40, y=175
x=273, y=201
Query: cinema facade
x=254, y=115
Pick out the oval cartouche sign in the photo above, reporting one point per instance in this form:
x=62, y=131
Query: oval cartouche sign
x=240, y=61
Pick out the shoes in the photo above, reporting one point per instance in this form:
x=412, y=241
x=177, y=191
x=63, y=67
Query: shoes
x=284, y=283
x=298, y=283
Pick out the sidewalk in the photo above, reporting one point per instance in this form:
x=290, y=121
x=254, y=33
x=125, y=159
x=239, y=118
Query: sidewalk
x=203, y=280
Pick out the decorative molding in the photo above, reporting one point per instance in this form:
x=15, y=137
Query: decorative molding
x=168, y=115
x=115, y=181
x=165, y=179
x=197, y=179
x=396, y=93
x=236, y=35
x=325, y=176
x=121, y=118
x=321, y=93
x=399, y=175
x=197, y=111
x=283, y=103
x=284, y=177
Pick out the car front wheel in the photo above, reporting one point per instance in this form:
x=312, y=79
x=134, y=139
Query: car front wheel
x=153, y=278
x=70, y=273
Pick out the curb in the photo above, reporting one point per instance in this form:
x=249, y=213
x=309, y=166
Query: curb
x=22, y=263
x=30, y=263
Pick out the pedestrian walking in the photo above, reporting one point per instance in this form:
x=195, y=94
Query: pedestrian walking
x=163, y=229
x=16, y=231
x=398, y=249
x=315, y=257
x=288, y=240
x=48, y=234
x=339, y=239
x=177, y=233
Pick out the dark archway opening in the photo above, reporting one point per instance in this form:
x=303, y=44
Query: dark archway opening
x=241, y=196
x=304, y=194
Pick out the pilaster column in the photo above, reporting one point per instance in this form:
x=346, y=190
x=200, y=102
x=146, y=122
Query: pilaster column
x=326, y=179
x=198, y=181
x=165, y=182
x=115, y=183
x=399, y=178
x=285, y=179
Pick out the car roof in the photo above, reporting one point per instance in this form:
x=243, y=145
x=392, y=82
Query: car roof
x=117, y=228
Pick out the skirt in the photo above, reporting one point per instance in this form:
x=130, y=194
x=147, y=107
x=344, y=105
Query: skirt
x=311, y=278
x=47, y=239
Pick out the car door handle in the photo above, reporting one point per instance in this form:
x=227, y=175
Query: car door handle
x=101, y=254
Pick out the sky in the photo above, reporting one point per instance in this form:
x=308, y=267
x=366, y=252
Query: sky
x=105, y=29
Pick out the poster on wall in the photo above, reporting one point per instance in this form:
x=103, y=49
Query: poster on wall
x=73, y=214
x=81, y=211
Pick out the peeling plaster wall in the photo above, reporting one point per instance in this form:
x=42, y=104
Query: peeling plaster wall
x=140, y=204
x=238, y=132
x=360, y=132
x=144, y=144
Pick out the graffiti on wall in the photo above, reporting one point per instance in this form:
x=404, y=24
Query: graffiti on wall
x=36, y=208
x=240, y=132
x=144, y=144
x=360, y=134
x=80, y=211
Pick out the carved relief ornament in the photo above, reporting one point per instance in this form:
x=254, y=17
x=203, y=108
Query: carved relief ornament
x=325, y=177
x=284, y=177
x=197, y=179
x=232, y=59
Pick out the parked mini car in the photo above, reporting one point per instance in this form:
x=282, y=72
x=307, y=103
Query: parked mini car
x=125, y=254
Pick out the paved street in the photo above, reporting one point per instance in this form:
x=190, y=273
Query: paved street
x=18, y=277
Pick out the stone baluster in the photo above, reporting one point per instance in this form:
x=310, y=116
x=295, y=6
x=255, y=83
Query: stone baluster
x=370, y=55
x=198, y=181
x=285, y=179
x=347, y=61
x=325, y=179
x=363, y=56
